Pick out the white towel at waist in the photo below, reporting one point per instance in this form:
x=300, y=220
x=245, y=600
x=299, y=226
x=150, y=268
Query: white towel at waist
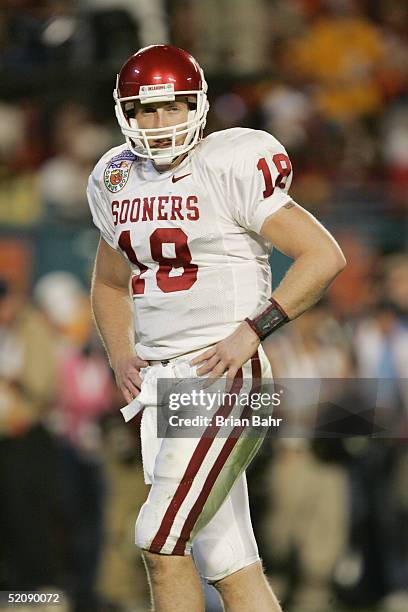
x=148, y=392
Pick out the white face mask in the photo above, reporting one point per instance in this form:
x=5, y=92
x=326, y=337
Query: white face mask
x=140, y=140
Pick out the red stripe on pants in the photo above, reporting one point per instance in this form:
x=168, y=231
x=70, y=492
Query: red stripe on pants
x=217, y=467
x=195, y=462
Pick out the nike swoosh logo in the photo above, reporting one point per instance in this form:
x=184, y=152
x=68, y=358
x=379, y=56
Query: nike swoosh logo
x=174, y=179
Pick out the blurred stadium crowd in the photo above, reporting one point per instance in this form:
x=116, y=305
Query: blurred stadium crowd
x=329, y=78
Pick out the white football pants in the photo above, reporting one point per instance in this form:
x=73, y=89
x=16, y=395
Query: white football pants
x=198, y=501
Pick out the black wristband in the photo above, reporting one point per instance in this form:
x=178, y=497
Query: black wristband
x=269, y=320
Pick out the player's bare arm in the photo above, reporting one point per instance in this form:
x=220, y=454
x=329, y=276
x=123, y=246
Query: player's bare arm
x=318, y=259
x=112, y=309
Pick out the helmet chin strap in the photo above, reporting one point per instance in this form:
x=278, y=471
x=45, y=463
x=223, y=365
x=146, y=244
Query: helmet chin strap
x=165, y=161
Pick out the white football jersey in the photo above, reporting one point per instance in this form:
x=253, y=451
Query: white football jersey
x=191, y=235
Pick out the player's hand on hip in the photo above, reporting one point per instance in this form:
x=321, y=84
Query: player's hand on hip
x=127, y=373
x=228, y=355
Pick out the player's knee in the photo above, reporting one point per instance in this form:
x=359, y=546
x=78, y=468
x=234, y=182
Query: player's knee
x=153, y=562
x=217, y=560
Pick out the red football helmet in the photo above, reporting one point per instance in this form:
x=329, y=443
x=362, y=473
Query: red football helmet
x=159, y=73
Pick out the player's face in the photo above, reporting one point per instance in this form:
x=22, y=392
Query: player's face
x=162, y=115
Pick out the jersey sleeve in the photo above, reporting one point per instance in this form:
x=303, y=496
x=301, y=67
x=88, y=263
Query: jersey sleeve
x=100, y=210
x=261, y=175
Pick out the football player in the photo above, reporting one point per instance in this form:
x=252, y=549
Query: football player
x=188, y=224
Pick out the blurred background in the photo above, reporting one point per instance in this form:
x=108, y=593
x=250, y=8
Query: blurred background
x=328, y=78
